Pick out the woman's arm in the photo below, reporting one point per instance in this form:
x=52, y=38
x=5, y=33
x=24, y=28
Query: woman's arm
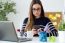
x=23, y=26
x=52, y=28
x=24, y=23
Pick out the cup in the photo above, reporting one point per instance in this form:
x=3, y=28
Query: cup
x=29, y=34
x=43, y=36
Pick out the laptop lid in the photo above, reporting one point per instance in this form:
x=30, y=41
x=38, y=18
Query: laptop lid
x=7, y=31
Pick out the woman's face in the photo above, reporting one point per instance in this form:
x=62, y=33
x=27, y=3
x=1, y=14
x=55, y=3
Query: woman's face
x=36, y=10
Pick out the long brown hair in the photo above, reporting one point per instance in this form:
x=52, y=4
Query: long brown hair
x=31, y=16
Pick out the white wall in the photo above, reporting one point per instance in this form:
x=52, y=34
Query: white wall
x=22, y=8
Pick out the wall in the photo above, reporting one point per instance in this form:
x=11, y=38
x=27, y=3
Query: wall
x=22, y=8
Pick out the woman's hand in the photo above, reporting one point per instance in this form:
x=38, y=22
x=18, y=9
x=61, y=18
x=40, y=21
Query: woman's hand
x=34, y=31
x=40, y=30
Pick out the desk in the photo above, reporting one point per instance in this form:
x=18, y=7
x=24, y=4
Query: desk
x=60, y=39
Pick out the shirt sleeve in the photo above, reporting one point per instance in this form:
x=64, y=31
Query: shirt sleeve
x=52, y=28
x=50, y=25
x=24, y=23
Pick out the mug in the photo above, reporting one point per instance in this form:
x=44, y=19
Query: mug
x=42, y=36
x=29, y=34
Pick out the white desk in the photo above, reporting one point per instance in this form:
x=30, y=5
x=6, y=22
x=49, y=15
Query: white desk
x=60, y=39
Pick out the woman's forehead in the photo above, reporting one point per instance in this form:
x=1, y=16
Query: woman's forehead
x=36, y=6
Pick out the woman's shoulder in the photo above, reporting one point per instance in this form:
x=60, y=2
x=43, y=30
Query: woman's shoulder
x=25, y=20
x=48, y=21
x=46, y=18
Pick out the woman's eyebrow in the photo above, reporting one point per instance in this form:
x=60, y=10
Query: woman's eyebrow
x=37, y=8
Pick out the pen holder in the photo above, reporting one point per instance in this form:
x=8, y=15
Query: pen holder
x=43, y=36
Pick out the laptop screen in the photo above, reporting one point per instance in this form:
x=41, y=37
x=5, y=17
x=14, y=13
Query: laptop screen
x=7, y=31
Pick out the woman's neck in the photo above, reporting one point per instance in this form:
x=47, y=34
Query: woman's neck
x=37, y=17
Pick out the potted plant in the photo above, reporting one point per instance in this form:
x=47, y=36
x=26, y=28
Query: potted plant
x=6, y=8
x=62, y=26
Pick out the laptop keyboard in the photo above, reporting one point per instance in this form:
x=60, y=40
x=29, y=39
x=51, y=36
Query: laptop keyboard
x=25, y=39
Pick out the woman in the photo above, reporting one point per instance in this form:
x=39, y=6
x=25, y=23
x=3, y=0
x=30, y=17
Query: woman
x=36, y=17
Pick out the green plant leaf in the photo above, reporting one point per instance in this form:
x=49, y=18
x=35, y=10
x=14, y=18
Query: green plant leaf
x=8, y=8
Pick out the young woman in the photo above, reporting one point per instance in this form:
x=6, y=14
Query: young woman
x=36, y=17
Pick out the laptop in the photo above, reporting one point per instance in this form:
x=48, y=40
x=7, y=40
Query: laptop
x=8, y=33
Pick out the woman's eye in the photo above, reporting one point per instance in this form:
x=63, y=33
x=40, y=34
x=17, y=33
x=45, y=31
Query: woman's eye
x=36, y=9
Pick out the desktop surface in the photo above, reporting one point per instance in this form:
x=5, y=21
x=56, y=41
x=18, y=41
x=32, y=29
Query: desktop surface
x=36, y=39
